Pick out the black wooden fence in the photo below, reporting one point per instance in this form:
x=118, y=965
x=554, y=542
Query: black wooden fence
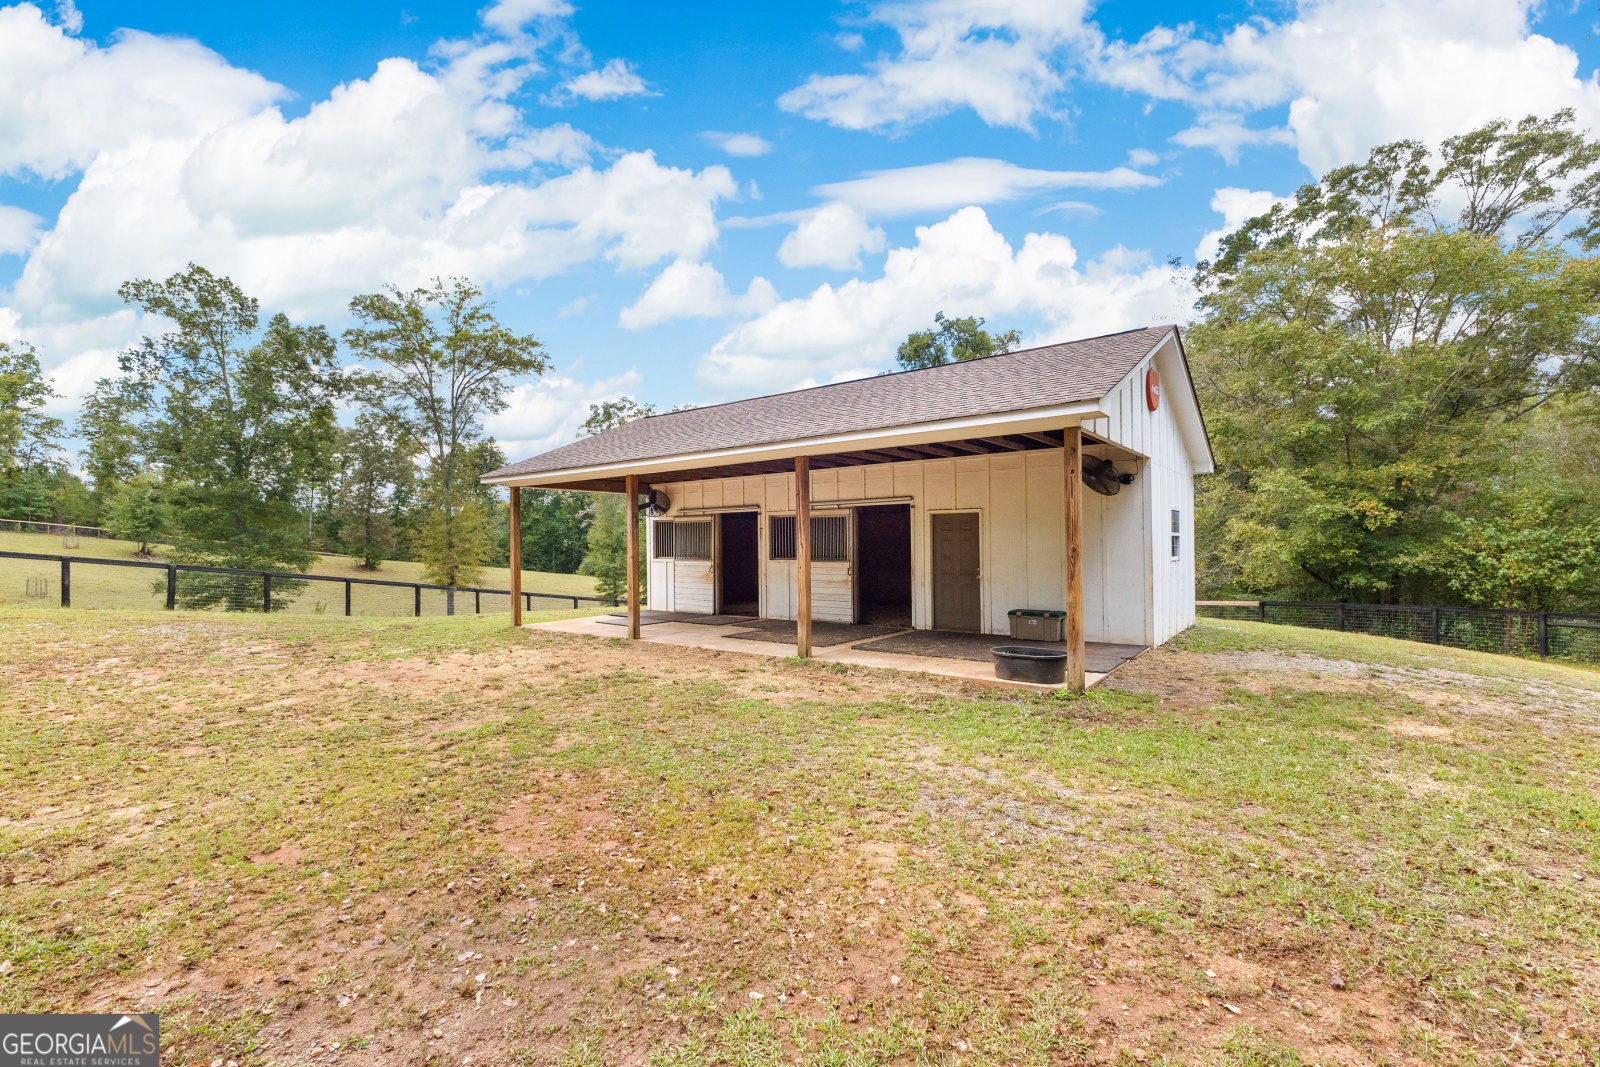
x=93, y=582
x=1546, y=634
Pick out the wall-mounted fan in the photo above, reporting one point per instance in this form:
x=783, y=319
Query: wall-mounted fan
x=655, y=503
x=1101, y=476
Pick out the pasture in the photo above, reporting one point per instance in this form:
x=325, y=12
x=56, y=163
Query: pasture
x=311, y=840
x=129, y=588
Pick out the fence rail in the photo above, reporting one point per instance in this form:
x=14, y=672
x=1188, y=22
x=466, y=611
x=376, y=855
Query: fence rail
x=62, y=529
x=1545, y=634
x=189, y=585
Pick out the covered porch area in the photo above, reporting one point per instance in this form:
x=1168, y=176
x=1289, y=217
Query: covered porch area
x=947, y=654
x=954, y=548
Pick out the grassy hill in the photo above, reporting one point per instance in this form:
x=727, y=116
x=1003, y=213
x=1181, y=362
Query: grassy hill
x=130, y=588
x=425, y=842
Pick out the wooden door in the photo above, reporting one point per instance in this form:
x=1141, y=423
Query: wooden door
x=957, y=591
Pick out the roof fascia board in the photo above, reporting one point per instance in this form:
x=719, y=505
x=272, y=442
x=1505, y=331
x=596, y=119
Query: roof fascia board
x=1186, y=408
x=1051, y=418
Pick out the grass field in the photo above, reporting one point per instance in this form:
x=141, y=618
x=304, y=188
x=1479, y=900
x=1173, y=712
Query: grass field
x=317, y=840
x=127, y=588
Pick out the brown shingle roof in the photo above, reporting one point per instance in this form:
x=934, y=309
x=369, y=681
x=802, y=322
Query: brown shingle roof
x=1014, y=381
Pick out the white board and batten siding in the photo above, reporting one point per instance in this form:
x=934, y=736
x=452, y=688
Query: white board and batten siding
x=1134, y=592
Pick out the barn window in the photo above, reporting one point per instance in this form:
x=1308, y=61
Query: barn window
x=683, y=540
x=830, y=538
x=1177, y=537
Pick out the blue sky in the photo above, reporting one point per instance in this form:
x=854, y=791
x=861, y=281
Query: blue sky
x=689, y=203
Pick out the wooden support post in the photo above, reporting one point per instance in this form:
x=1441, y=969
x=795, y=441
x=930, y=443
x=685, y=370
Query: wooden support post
x=1544, y=634
x=515, y=545
x=347, y=591
x=630, y=501
x=66, y=583
x=417, y=601
x=172, y=588
x=802, y=555
x=266, y=594
x=1072, y=462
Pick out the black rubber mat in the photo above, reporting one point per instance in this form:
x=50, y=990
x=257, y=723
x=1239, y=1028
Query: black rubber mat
x=1101, y=658
x=823, y=634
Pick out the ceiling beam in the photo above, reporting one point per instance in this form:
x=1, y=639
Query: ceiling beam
x=1043, y=439
x=1010, y=446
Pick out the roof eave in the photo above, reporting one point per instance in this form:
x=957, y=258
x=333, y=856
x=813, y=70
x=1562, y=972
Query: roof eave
x=1053, y=417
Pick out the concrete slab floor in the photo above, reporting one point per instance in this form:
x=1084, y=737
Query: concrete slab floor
x=692, y=635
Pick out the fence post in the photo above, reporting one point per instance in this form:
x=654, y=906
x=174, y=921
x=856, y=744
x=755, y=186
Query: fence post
x=1261, y=610
x=418, y=601
x=172, y=587
x=477, y=602
x=347, y=596
x=66, y=584
x=450, y=600
x=1341, y=616
x=574, y=603
x=266, y=594
x=1544, y=634
x=1433, y=625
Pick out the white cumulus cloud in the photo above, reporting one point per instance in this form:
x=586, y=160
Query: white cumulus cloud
x=737, y=144
x=963, y=182
x=407, y=174
x=1355, y=73
x=689, y=290
x=613, y=81
x=1236, y=206
x=1004, y=59
x=834, y=235
x=548, y=412
x=961, y=266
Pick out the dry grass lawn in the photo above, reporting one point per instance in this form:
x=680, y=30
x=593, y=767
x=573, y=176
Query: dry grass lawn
x=318, y=840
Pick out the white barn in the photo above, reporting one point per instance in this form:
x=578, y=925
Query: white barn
x=938, y=499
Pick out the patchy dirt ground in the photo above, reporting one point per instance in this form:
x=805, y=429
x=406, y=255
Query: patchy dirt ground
x=318, y=842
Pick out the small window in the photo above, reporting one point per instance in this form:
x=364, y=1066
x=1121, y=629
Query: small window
x=1177, y=539
x=683, y=540
x=830, y=538
x=693, y=540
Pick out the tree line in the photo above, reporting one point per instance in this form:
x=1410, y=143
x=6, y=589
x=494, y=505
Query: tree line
x=1400, y=373
x=258, y=446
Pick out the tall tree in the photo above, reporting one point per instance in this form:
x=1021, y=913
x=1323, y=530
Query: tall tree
x=32, y=475
x=439, y=362
x=555, y=529
x=28, y=436
x=1367, y=363
x=953, y=341
x=376, y=462
x=606, y=555
x=110, y=424
x=240, y=422
x=137, y=511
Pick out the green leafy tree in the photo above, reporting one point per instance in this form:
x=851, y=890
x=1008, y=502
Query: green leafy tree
x=28, y=436
x=555, y=529
x=1366, y=366
x=240, y=423
x=952, y=341
x=110, y=423
x=137, y=511
x=376, y=461
x=612, y=413
x=439, y=363
x=606, y=558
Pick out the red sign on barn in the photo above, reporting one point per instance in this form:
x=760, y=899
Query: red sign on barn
x=1152, y=388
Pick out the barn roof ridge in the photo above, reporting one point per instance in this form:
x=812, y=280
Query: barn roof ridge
x=1060, y=373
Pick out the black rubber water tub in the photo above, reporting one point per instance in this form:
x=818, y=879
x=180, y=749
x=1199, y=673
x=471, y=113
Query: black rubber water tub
x=1021, y=663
